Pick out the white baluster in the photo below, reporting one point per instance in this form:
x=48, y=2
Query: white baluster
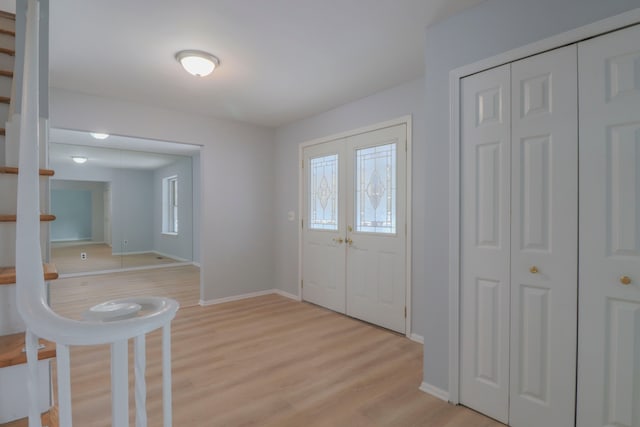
x=120, y=384
x=63, y=362
x=141, y=385
x=31, y=346
x=166, y=375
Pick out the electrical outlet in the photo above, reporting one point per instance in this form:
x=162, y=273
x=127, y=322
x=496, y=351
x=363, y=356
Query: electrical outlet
x=83, y=256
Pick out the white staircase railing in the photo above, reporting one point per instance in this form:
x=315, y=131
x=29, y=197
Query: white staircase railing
x=41, y=321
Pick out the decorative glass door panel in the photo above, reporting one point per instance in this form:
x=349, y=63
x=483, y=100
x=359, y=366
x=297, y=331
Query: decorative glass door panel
x=323, y=192
x=323, y=250
x=376, y=187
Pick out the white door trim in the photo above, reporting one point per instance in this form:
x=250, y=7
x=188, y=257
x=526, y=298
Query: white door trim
x=613, y=23
x=406, y=120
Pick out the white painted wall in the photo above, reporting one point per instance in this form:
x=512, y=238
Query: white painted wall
x=237, y=205
x=492, y=27
x=180, y=246
x=8, y=5
x=406, y=99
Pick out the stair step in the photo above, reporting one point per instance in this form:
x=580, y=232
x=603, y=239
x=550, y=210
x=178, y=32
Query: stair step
x=13, y=218
x=46, y=419
x=8, y=15
x=7, y=32
x=5, y=100
x=14, y=171
x=8, y=274
x=7, y=51
x=6, y=73
x=11, y=347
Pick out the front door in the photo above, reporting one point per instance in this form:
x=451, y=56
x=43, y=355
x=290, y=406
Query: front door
x=354, y=232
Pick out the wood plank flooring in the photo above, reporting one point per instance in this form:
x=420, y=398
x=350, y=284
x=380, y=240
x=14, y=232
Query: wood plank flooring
x=271, y=361
x=71, y=296
x=100, y=258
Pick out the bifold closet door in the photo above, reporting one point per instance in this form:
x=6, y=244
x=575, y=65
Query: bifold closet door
x=485, y=201
x=609, y=339
x=544, y=239
x=519, y=240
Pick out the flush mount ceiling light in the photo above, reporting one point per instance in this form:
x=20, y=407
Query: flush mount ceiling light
x=197, y=62
x=79, y=159
x=98, y=135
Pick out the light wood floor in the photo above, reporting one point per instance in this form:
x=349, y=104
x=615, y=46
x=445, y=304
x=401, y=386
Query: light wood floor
x=71, y=296
x=100, y=258
x=271, y=361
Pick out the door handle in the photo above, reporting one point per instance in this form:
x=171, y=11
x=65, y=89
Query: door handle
x=338, y=240
x=625, y=280
x=533, y=269
x=349, y=241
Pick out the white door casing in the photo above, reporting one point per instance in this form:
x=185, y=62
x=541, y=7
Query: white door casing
x=544, y=234
x=376, y=227
x=609, y=321
x=484, y=276
x=324, y=228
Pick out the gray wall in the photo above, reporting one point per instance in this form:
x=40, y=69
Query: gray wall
x=132, y=202
x=180, y=246
x=132, y=207
x=197, y=196
x=237, y=176
x=406, y=99
x=492, y=27
x=65, y=227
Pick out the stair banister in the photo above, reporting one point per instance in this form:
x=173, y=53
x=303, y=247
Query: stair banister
x=32, y=304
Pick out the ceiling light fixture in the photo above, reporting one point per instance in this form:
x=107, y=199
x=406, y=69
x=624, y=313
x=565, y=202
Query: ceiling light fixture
x=197, y=62
x=98, y=135
x=79, y=159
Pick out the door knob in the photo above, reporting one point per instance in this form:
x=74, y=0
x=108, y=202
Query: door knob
x=349, y=241
x=533, y=269
x=338, y=240
x=625, y=280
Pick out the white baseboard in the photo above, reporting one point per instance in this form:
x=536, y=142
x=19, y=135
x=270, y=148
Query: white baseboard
x=434, y=391
x=417, y=338
x=249, y=295
x=132, y=253
x=122, y=270
x=286, y=294
x=177, y=258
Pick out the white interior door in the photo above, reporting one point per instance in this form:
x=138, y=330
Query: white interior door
x=609, y=323
x=324, y=229
x=354, y=231
x=376, y=227
x=484, y=276
x=544, y=239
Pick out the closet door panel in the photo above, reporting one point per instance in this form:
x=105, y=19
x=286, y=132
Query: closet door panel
x=544, y=181
x=484, y=369
x=609, y=333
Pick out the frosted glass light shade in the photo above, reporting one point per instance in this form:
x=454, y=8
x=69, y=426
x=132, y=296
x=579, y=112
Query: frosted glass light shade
x=98, y=135
x=79, y=159
x=197, y=63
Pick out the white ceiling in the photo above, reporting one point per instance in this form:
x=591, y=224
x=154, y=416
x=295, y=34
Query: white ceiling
x=118, y=152
x=282, y=60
